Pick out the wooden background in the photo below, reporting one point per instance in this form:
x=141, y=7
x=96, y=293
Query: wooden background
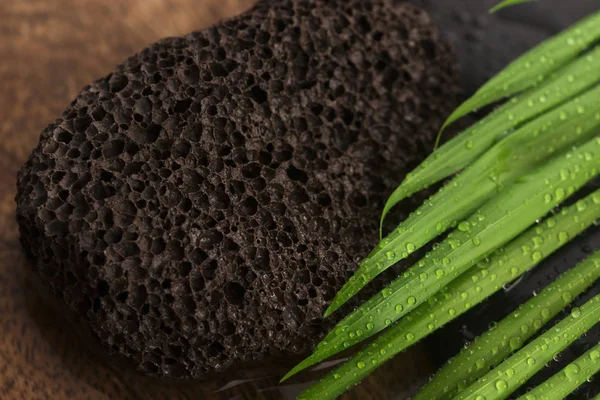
x=49, y=49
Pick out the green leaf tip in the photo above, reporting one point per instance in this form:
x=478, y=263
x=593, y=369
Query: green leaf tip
x=508, y=3
x=303, y=365
x=330, y=310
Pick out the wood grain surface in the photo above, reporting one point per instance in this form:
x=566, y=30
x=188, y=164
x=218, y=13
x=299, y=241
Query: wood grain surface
x=49, y=49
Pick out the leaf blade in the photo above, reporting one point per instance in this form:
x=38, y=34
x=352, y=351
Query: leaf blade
x=508, y=3
x=507, y=214
x=436, y=312
x=491, y=348
x=569, y=378
x=498, y=384
x=533, y=66
x=530, y=145
x=459, y=152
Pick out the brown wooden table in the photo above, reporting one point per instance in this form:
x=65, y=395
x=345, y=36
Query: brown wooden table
x=49, y=49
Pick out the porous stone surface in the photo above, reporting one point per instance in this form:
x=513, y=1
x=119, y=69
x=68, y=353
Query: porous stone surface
x=199, y=207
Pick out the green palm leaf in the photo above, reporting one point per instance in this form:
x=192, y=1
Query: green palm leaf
x=534, y=66
x=471, y=288
x=503, y=380
x=569, y=379
x=532, y=144
x=497, y=222
x=507, y=3
x=576, y=77
x=509, y=335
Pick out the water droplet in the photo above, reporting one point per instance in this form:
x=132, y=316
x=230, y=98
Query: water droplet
x=567, y=297
x=336, y=376
x=360, y=364
x=563, y=236
x=476, y=241
x=576, y=312
x=464, y=226
x=531, y=361
x=399, y=308
x=509, y=372
x=388, y=321
x=595, y=355
x=410, y=336
x=515, y=342
x=480, y=363
x=390, y=255
x=411, y=300
x=410, y=247
x=537, y=256
x=572, y=370
x=469, y=144
x=501, y=385
x=370, y=326
x=387, y=292
x=545, y=313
